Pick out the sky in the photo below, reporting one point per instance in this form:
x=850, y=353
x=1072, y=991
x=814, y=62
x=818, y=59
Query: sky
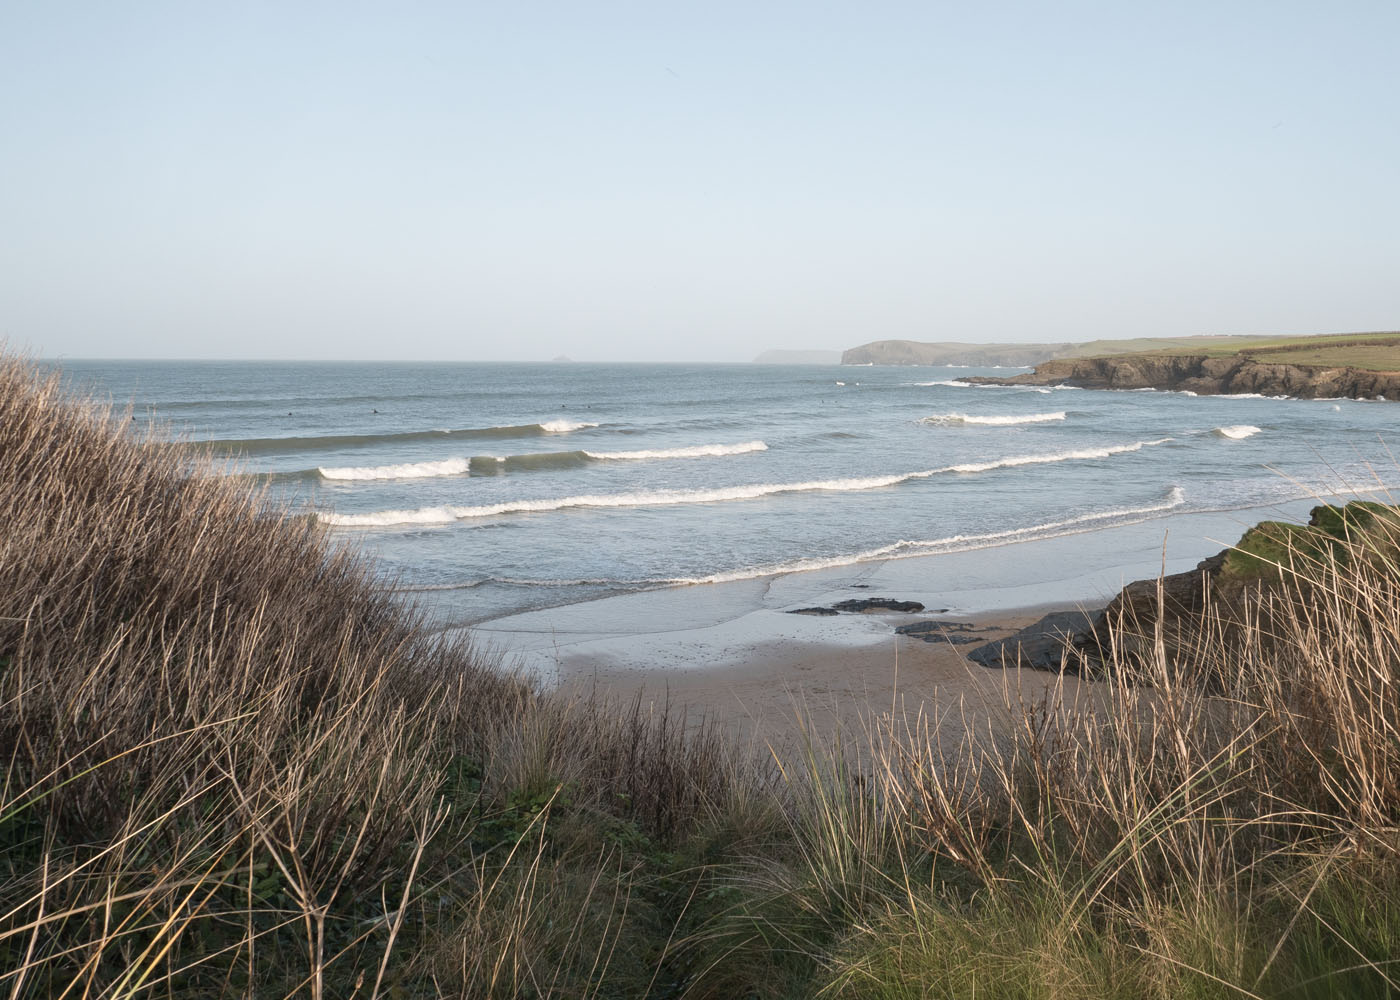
x=689, y=182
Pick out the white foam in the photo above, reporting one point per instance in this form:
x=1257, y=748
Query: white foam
x=411, y=470
x=1061, y=456
x=563, y=426
x=948, y=382
x=696, y=451
x=448, y=513
x=840, y=383
x=905, y=549
x=952, y=419
x=1238, y=431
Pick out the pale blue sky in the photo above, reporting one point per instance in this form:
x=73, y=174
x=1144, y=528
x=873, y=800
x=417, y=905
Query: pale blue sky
x=658, y=181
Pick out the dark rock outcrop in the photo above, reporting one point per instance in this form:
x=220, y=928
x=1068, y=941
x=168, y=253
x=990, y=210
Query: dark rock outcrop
x=865, y=605
x=956, y=633
x=1208, y=376
x=1217, y=595
x=1049, y=644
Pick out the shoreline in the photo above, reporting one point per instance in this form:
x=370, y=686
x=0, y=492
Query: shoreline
x=735, y=652
x=781, y=687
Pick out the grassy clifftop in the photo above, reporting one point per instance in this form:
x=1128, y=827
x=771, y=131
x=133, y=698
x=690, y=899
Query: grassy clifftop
x=1367, y=351
x=235, y=767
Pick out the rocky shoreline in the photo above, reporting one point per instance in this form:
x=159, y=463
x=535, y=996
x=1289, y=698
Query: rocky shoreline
x=1208, y=376
x=1166, y=616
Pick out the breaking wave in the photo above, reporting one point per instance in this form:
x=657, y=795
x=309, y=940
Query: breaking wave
x=410, y=470
x=448, y=513
x=697, y=451
x=905, y=549
x=284, y=445
x=564, y=426
x=1237, y=432
x=956, y=419
x=491, y=465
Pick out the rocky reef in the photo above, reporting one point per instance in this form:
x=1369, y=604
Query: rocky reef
x=1208, y=376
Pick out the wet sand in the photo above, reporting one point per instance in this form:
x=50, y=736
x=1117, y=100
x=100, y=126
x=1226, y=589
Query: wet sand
x=735, y=652
x=767, y=691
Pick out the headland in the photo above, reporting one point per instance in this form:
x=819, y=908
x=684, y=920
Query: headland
x=1354, y=366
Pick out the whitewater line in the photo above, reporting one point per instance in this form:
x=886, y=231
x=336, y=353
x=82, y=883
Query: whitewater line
x=463, y=466
x=954, y=419
x=447, y=513
x=905, y=549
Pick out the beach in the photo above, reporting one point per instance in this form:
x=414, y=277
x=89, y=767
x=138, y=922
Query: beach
x=740, y=655
x=772, y=691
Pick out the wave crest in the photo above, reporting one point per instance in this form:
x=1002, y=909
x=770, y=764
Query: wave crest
x=564, y=426
x=326, y=442
x=1237, y=432
x=408, y=470
x=906, y=549
x=696, y=451
x=957, y=419
x=448, y=513
x=491, y=465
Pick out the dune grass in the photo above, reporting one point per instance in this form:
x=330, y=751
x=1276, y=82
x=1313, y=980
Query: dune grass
x=235, y=766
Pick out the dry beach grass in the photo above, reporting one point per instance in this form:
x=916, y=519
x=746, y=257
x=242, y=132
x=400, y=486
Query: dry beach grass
x=235, y=766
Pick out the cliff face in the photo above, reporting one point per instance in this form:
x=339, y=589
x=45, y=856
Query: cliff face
x=1207, y=376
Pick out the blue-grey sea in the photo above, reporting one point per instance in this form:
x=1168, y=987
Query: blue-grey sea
x=489, y=489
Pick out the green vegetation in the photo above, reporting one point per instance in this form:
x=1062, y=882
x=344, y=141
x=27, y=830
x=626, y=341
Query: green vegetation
x=1369, y=351
x=1215, y=346
x=234, y=766
x=1272, y=548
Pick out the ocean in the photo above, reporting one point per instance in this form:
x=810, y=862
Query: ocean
x=485, y=490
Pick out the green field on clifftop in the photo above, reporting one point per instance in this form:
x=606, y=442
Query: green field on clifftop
x=1370, y=351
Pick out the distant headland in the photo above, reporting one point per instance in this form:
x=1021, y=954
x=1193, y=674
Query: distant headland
x=1356, y=366
x=798, y=358
x=911, y=352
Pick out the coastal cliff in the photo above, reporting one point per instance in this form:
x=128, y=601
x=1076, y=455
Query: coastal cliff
x=1209, y=376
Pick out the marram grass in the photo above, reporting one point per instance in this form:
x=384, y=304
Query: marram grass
x=234, y=766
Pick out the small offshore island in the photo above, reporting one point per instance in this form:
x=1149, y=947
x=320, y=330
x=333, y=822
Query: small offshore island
x=1353, y=366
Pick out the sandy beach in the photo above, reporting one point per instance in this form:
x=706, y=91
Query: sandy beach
x=736, y=652
x=772, y=689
